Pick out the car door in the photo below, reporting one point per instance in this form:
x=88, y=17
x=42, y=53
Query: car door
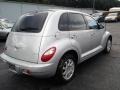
x=79, y=33
x=96, y=33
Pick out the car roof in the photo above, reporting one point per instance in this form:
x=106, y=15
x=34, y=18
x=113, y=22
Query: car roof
x=67, y=10
x=55, y=10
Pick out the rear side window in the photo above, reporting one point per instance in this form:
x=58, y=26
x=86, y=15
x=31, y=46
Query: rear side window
x=92, y=24
x=63, y=22
x=31, y=23
x=76, y=22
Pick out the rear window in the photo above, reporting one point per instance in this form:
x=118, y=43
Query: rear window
x=76, y=22
x=63, y=22
x=31, y=23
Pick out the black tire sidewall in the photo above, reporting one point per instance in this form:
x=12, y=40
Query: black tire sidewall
x=106, y=50
x=59, y=75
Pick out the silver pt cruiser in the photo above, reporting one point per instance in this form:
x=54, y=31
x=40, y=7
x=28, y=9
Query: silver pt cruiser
x=53, y=43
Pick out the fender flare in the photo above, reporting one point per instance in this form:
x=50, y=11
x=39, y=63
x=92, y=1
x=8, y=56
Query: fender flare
x=105, y=38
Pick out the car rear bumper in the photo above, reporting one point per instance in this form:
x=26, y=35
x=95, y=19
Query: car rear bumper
x=32, y=69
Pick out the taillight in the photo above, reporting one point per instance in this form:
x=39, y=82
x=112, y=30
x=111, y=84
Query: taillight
x=48, y=54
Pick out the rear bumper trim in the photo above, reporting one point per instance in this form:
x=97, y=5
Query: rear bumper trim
x=46, y=70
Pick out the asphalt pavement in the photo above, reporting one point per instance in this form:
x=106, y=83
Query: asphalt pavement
x=101, y=72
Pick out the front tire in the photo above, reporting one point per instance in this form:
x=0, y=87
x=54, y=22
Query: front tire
x=108, y=46
x=66, y=68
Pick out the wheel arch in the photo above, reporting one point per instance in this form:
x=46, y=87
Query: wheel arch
x=110, y=37
x=106, y=36
x=74, y=53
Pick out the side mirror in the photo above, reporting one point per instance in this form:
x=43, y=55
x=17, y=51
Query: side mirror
x=100, y=26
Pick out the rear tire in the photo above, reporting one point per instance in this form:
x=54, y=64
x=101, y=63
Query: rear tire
x=108, y=46
x=66, y=68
